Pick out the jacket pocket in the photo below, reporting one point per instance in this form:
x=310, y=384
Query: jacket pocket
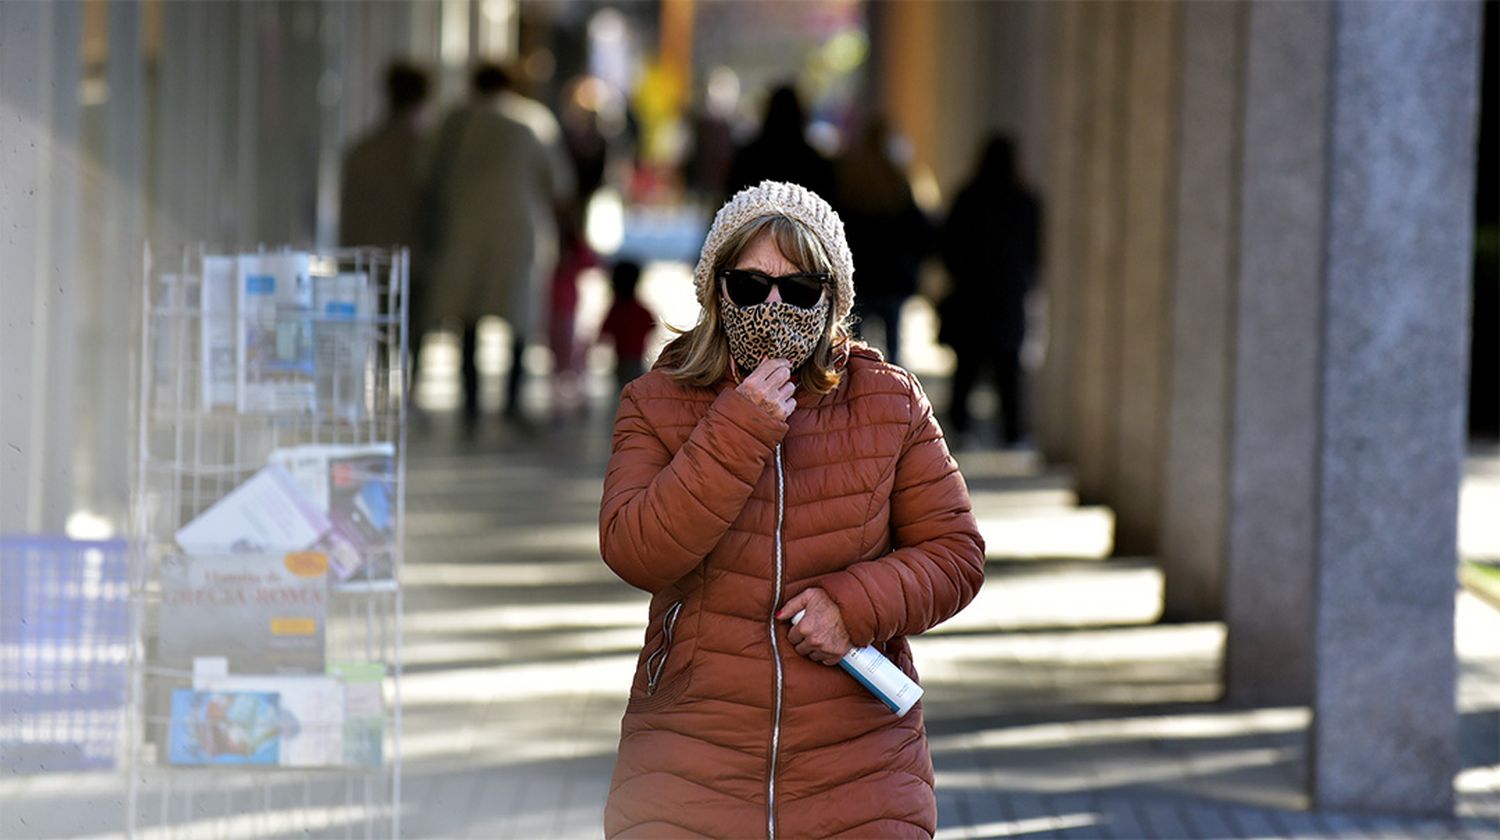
x=656, y=664
x=659, y=691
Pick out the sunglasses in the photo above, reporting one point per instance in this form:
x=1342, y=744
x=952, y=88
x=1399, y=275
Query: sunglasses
x=748, y=288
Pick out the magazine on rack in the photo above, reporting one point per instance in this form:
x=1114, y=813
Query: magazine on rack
x=224, y=727
x=364, y=711
x=361, y=509
x=171, y=343
x=343, y=343
x=312, y=713
x=263, y=613
x=275, y=321
x=351, y=484
x=219, y=354
x=268, y=513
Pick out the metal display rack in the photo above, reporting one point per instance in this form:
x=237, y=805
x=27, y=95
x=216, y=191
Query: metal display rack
x=201, y=439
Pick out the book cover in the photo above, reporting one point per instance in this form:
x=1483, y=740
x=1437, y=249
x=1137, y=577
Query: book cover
x=364, y=711
x=275, y=298
x=311, y=717
x=266, y=514
x=352, y=485
x=343, y=343
x=359, y=497
x=219, y=353
x=214, y=727
x=169, y=346
x=263, y=613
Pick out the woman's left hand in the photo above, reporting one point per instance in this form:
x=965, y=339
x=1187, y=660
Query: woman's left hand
x=820, y=635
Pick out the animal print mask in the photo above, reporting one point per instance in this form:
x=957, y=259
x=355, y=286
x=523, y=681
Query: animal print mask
x=772, y=330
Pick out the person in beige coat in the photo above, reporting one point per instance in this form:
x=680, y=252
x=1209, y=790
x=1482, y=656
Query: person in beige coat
x=497, y=173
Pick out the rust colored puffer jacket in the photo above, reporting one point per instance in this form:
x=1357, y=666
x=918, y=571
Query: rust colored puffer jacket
x=722, y=513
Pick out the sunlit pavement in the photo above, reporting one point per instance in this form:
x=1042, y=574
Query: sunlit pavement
x=1055, y=706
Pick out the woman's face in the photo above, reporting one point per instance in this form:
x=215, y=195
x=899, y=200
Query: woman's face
x=763, y=256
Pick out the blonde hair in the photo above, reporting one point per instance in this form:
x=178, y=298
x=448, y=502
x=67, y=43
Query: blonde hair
x=700, y=356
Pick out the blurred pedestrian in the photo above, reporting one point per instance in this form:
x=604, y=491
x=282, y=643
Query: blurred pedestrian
x=780, y=152
x=712, y=121
x=567, y=352
x=496, y=180
x=770, y=465
x=628, y=324
x=888, y=233
x=586, y=144
x=991, y=246
x=379, y=187
x=379, y=184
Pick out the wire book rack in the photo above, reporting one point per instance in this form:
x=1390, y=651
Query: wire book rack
x=265, y=603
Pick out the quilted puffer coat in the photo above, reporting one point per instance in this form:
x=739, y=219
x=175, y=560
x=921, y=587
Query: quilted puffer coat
x=723, y=513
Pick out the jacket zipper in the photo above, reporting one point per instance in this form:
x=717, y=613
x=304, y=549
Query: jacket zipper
x=776, y=654
x=656, y=666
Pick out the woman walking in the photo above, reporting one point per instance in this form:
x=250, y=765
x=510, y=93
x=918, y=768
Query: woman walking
x=769, y=465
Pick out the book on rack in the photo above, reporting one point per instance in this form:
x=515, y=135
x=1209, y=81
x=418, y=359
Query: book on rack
x=177, y=295
x=264, y=613
x=311, y=719
x=364, y=711
x=343, y=343
x=224, y=727
x=276, y=372
x=219, y=355
x=266, y=514
x=352, y=485
x=361, y=509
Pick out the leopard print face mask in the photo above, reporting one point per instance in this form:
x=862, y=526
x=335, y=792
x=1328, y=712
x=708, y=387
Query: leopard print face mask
x=772, y=330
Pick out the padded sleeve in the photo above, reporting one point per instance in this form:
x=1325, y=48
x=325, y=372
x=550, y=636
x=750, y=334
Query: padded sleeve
x=936, y=565
x=663, y=513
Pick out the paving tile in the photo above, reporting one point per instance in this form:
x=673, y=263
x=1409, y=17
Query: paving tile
x=1164, y=819
x=1342, y=826
x=1253, y=824
x=1121, y=820
x=1207, y=820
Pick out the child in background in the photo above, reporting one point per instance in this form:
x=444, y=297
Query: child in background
x=567, y=367
x=628, y=323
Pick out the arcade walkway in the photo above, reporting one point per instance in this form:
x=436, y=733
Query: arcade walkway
x=1056, y=708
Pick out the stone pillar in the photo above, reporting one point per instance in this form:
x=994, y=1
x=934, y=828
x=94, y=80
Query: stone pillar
x=1397, y=253
x=56, y=351
x=1064, y=223
x=1274, y=443
x=1144, y=272
x=116, y=285
x=1098, y=347
x=1196, y=457
x=25, y=32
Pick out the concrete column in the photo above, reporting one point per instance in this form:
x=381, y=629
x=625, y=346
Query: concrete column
x=118, y=285
x=1145, y=271
x=55, y=351
x=1064, y=201
x=1195, y=461
x=1098, y=363
x=1274, y=447
x=1397, y=255
x=25, y=33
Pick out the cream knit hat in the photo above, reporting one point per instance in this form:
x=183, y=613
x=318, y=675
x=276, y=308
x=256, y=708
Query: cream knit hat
x=778, y=198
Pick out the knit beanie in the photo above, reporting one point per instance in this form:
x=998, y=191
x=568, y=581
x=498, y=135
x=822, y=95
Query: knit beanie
x=778, y=198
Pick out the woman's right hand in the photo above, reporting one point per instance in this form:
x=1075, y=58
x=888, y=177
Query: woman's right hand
x=771, y=387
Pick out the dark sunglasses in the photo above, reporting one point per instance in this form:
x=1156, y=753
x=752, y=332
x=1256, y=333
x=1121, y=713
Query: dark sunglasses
x=747, y=288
